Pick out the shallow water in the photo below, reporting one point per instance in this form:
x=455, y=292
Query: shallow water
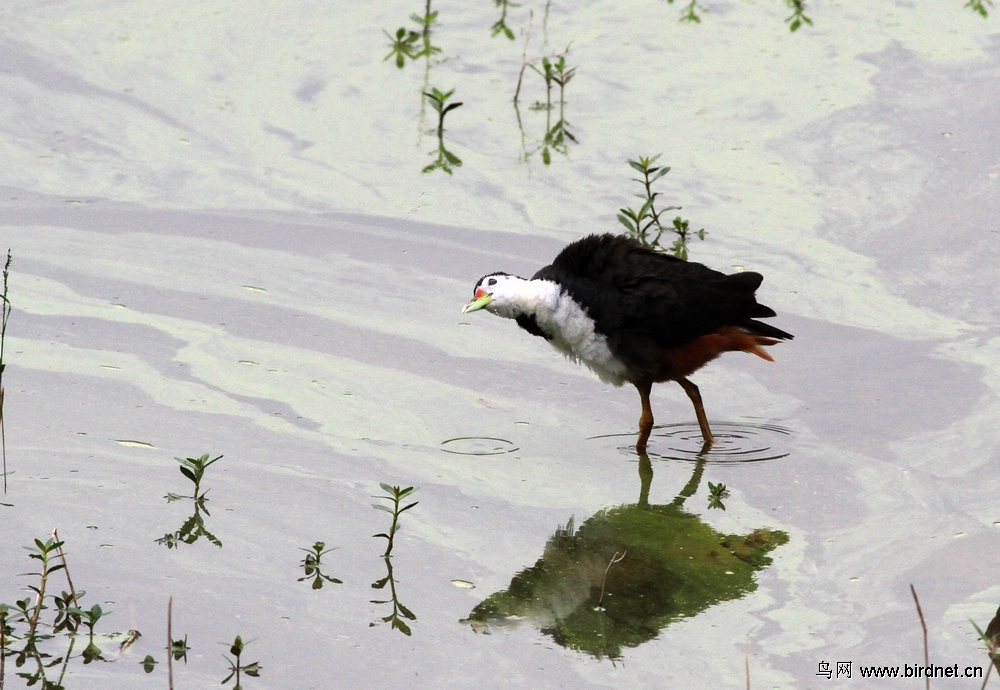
x=223, y=243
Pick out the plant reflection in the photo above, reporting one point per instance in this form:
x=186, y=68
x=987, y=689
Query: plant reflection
x=628, y=572
x=395, y=495
x=557, y=136
x=311, y=564
x=194, y=527
x=399, y=612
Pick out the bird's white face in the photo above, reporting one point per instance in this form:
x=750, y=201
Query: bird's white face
x=497, y=294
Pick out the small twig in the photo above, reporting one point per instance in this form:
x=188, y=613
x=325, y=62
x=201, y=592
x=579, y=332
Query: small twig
x=524, y=56
x=614, y=559
x=746, y=657
x=62, y=555
x=923, y=624
x=170, y=643
x=6, y=308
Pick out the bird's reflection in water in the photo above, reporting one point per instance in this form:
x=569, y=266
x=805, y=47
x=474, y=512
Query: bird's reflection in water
x=588, y=596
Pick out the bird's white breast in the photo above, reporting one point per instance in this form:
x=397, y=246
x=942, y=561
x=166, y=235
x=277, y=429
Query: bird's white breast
x=573, y=333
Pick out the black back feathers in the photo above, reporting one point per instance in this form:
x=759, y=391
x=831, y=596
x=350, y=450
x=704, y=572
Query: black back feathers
x=644, y=301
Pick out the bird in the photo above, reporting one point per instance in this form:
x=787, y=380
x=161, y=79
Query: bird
x=634, y=315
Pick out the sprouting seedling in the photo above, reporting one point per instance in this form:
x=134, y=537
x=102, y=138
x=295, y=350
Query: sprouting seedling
x=311, y=566
x=396, y=495
x=641, y=223
x=501, y=25
x=716, y=494
x=194, y=469
x=236, y=667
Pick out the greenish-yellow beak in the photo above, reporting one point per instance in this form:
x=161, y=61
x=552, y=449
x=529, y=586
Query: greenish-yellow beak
x=479, y=301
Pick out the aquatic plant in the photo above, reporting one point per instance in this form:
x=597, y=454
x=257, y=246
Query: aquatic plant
x=445, y=158
x=236, y=668
x=194, y=469
x=39, y=629
x=311, y=566
x=396, y=495
x=194, y=527
x=640, y=224
x=554, y=72
x=716, y=494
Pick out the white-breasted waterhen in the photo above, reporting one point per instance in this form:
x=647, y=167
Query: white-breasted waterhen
x=634, y=315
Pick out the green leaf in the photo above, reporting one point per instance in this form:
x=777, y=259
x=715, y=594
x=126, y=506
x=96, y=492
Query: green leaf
x=401, y=626
x=625, y=221
x=406, y=612
x=380, y=506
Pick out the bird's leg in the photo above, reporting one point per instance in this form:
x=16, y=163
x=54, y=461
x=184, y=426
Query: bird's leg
x=699, y=410
x=646, y=420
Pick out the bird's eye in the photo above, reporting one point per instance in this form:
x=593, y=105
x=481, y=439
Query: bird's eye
x=491, y=281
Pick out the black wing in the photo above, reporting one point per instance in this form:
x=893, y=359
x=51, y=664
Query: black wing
x=644, y=301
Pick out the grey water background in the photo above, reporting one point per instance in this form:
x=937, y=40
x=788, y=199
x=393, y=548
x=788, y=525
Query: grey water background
x=223, y=243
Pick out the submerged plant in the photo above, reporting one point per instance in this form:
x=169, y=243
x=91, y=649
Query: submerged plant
x=311, y=566
x=643, y=223
x=194, y=527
